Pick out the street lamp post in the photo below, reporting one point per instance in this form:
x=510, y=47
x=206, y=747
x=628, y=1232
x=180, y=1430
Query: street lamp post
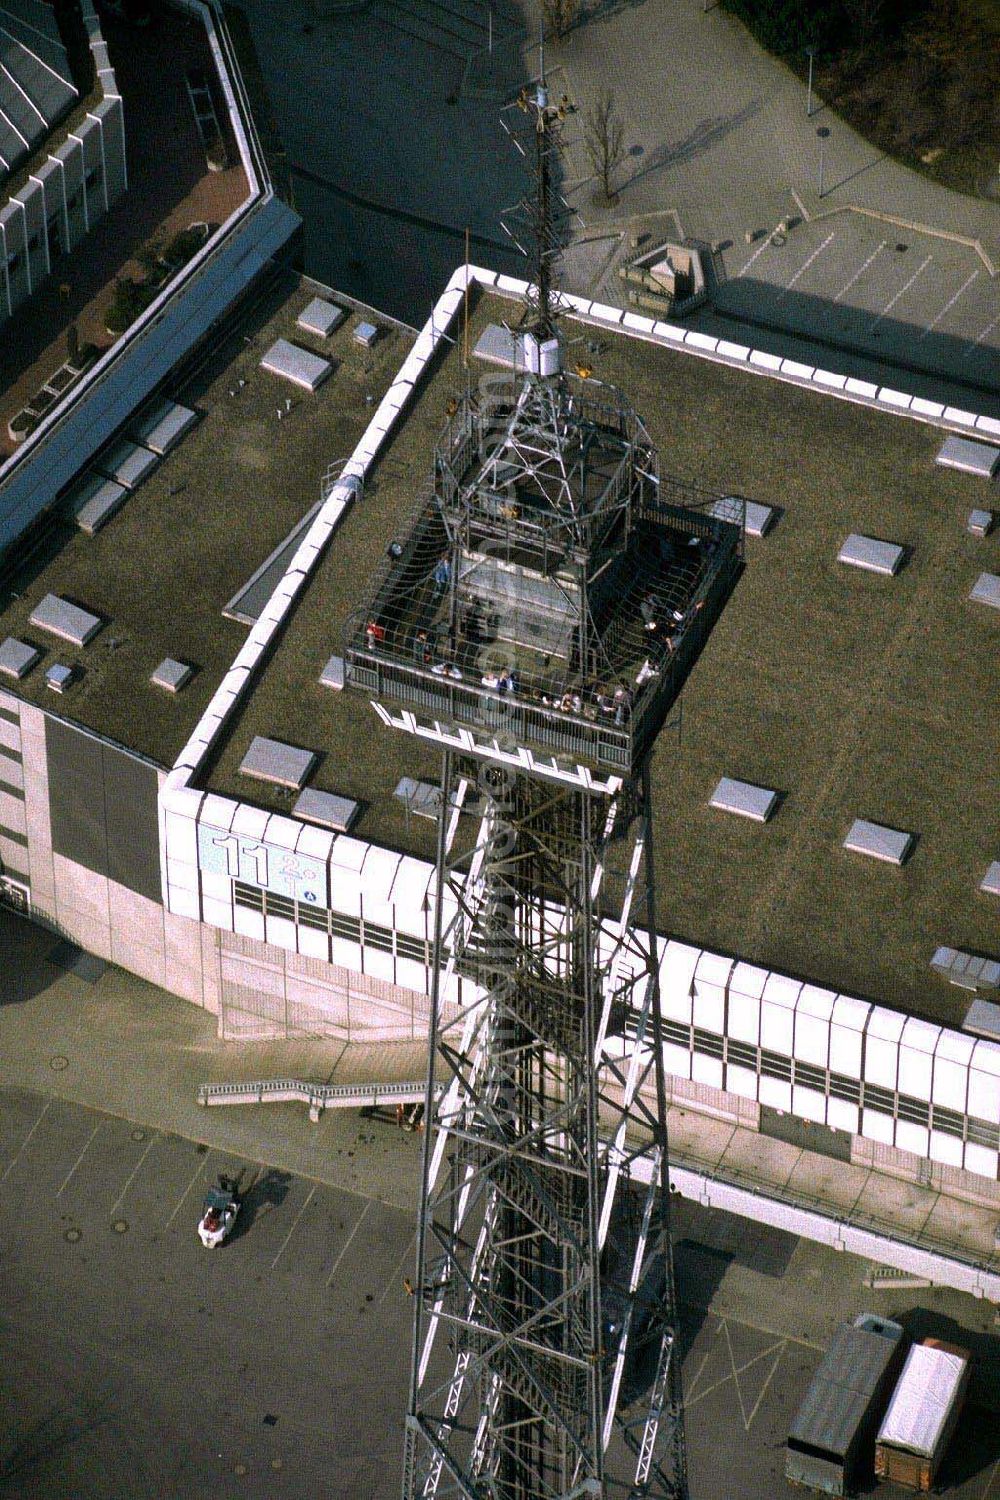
x=822, y=131
x=810, y=53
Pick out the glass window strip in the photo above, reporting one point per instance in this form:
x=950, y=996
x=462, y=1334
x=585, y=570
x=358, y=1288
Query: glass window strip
x=808, y=1076
x=250, y=896
x=742, y=1054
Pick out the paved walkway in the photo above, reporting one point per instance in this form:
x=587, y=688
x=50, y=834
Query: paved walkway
x=717, y=129
x=119, y=1044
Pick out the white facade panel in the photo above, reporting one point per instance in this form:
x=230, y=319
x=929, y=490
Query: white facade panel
x=217, y=913
x=887, y=1025
x=315, y=843
x=249, y=923
x=348, y=853
x=677, y=1006
x=945, y=1148
x=677, y=1060
x=346, y=954
x=744, y=1018
x=181, y=876
x=281, y=831
x=911, y=1137
x=812, y=1039
x=782, y=991
x=218, y=886
x=314, y=943
x=380, y=965
x=412, y=976
x=808, y=1103
x=877, y=1127
x=842, y=1115
x=951, y=1082
x=281, y=932
x=774, y=1092
x=250, y=820
x=707, y=1070
x=709, y=1009
x=845, y=1050
x=815, y=1001
x=742, y=1081
x=677, y=976
x=915, y=1069
x=218, y=811
x=182, y=838
x=714, y=969
x=676, y=969
x=776, y=1025
x=981, y=1160
x=409, y=895
x=183, y=902
x=881, y=1061
x=984, y=1082
x=851, y=1013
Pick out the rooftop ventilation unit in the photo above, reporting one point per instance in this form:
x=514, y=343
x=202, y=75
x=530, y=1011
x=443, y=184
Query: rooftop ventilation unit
x=968, y=970
x=17, y=658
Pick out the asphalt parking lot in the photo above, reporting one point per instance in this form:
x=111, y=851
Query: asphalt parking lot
x=904, y=296
x=138, y=1363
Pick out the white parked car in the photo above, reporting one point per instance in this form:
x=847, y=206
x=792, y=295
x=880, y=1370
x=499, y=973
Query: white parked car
x=218, y=1214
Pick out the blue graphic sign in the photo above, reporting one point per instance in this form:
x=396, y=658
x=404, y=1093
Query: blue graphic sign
x=295, y=876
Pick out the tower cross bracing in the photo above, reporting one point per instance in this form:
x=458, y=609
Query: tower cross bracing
x=536, y=620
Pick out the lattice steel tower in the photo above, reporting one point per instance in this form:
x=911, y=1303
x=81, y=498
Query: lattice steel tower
x=537, y=621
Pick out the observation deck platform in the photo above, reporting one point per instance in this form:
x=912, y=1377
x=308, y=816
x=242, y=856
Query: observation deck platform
x=550, y=593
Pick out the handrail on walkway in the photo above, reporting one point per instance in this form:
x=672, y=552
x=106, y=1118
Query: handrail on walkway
x=318, y=1096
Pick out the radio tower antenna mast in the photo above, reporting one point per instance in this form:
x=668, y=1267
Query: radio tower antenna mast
x=537, y=621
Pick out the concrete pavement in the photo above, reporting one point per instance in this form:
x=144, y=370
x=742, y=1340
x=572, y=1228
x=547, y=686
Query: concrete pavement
x=123, y=1046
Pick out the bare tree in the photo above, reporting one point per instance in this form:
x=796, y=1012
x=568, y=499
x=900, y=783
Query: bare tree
x=559, y=16
x=604, y=137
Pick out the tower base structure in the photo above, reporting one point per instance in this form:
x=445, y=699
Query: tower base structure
x=545, y=1353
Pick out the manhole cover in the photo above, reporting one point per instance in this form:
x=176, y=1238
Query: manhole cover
x=120, y=1226
x=72, y=1235
x=277, y=1463
x=58, y=1063
x=138, y=1135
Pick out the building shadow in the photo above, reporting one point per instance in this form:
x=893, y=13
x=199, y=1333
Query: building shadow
x=852, y=341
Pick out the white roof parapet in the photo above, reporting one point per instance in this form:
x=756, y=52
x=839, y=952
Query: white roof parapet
x=308, y=553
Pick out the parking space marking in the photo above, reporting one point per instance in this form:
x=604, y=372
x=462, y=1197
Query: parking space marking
x=804, y=268
x=689, y=1388
x=17, y=1156
x=861, y=270
x=887, y=309
x=288, y=1236
x=974, y=346
x=391, y=1280
x=760, y=251
x=346, y=1244
x=770, y=1376
x=200, y=1168
x=736, y=1371
x=69, y=1175
x=948, y=306
x=132, y=1175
